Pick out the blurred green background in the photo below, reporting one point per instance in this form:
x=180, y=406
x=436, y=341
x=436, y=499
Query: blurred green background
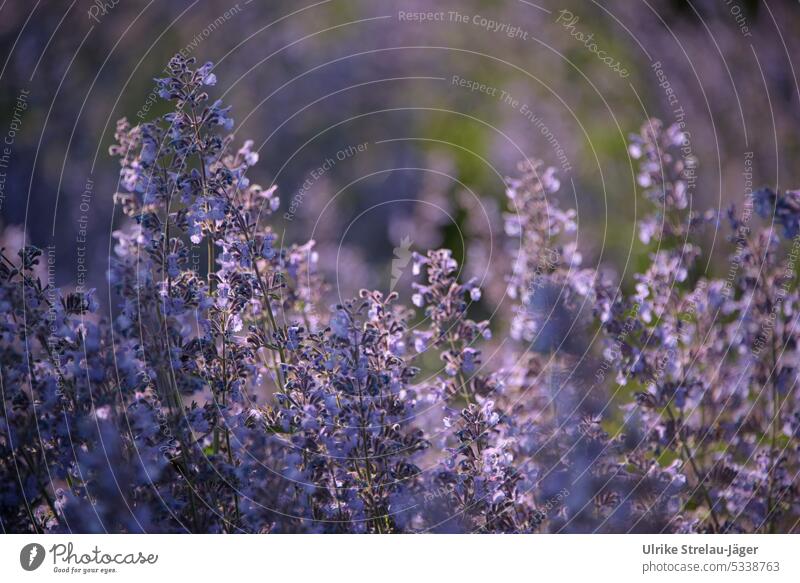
x=307, y=82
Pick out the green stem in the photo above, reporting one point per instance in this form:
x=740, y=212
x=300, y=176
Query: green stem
x=774, y=428
x=695, y=468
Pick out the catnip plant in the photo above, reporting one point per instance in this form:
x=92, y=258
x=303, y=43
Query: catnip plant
x=233, y=398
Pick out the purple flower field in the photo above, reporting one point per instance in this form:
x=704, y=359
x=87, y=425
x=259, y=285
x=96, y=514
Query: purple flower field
x=220, y=373
x=235, y=400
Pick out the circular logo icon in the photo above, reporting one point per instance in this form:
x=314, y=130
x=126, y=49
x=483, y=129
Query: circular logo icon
x=31, y=556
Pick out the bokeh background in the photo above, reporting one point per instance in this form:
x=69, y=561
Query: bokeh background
x=310, y=81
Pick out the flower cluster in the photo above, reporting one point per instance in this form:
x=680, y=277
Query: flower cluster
x=225, y=396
